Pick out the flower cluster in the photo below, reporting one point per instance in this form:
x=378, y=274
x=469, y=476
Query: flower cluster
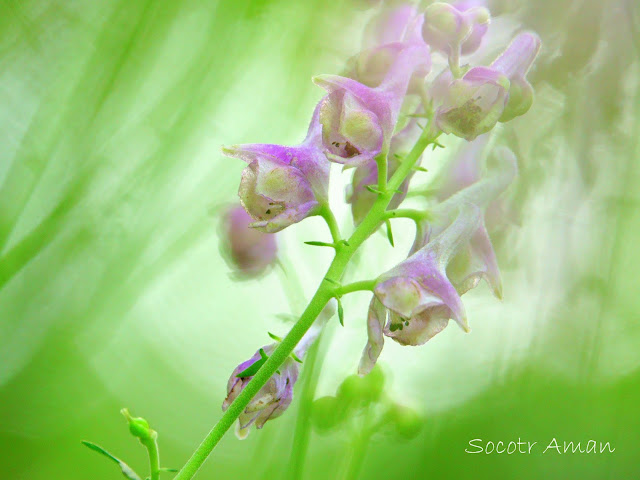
x=377, y=118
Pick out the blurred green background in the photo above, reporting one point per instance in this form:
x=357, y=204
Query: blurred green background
x=113, y=292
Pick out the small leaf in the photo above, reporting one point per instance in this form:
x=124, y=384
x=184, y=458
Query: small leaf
x=340, y=312
x=373, y=189
x=389, y=232
x=345, y=243
x=274, y=336
x=127, y=471
x=172, y=470
x=253, y=369
x=418, y=168
x=320, y=244
x=295, y=357
x=436, y=145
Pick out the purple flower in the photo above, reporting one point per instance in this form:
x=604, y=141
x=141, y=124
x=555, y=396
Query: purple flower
x=276, y=395
x=272, y=399
x=360, y=198
x=415, y=300
x=455, y=29
x=283, y=185
x=393, y=24
x=248, y=251
x=357, y=120
x=472, y=105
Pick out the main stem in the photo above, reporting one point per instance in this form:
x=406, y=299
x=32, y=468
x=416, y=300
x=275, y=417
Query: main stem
x=323, y=294
x=154, y=457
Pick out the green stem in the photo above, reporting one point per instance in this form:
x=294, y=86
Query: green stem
x=326, y=213
x=415, y=215
x=323, y=294
x=154, y=457
x=312, y=366
x=356, y=287
x=381, y=161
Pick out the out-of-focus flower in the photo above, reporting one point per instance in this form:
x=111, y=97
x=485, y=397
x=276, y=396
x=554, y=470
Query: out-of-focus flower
x=475, y=259
x=455, y=29
x=360, y=198
x=276, y=395
x=395, y=23
x=247, y=250
x=472, y=105
x=415, y=300
x=515, y=63
x=357, y=120
x=283, y=185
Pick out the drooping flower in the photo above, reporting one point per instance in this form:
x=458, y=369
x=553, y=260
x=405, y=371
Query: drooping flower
x=455, y=28
x=472, y=105
x=476, y=259
x=276, y=395
x=360, y=198
x=415, y=300
x=283, y=185
x=247, y=250
x=357, y=120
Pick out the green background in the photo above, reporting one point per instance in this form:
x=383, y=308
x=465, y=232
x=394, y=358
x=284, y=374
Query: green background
x=113, y=292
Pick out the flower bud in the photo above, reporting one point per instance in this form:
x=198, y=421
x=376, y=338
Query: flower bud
x=450, y=28
x=327, y=413
x=139, y=427
x=247, y=250
x=406, y=421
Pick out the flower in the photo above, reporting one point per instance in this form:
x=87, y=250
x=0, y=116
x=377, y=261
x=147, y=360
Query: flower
x=272, y=399
x=247, y=250
x=475, y=259
x=276, y=395
x=357, y=120
x=455, y=29
x=283, y=185
x=415, y=300
x=472, y=105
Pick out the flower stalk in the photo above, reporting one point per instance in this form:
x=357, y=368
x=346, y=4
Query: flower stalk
x=323, y=294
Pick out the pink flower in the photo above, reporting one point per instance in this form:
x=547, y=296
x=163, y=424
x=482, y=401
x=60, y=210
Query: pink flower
x=283, y=185
x=248, y=251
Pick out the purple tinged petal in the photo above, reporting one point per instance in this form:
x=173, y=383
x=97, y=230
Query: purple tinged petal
x=450, y=27
x=519, y=55
x=389, y=25
x=375, y=325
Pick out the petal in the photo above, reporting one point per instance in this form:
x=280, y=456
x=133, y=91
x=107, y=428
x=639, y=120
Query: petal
x=375, y=324
x=519, y=55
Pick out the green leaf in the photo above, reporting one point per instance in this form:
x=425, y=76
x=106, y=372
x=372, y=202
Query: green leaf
x=274, y=336
x=127, y=471
x=295, y=357
x=373, y=189
x=172, y=470
x=418, y=168
x=253, y=369
x=389, y=232
x=340, y=312
x=320, y=244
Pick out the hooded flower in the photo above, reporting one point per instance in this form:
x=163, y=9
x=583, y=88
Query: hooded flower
x=276, y=395
x=248, y=251
x=475, y=259
x=283, y=185
x=472, y=105
x=415, y=300
x=357, y=120
x=455, y=29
